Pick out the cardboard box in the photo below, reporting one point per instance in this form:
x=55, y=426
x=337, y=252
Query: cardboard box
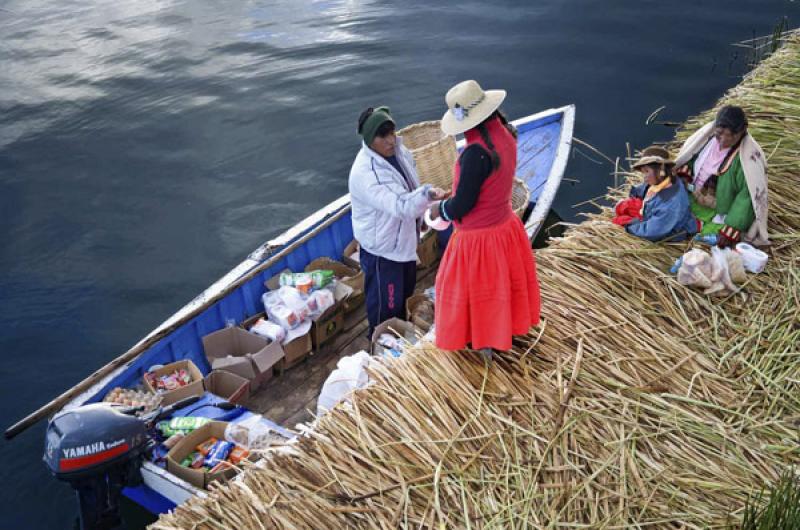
x=327, y=326
x=393, y=326
x=349, y=276
x=296, y=351
x=413, y=302
x=234, y=388
x=350, y=255
x=242, y=353
x=195, y=388
x=428, y=250
x=198, y=477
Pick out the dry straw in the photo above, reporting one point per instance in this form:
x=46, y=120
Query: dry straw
x=636, y=403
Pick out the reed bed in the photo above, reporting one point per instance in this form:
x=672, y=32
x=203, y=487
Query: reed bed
x=636, y=403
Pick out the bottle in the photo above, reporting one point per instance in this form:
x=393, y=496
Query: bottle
x=708, y=239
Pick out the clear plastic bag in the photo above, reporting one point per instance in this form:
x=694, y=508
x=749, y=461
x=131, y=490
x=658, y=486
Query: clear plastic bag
x=252, y=433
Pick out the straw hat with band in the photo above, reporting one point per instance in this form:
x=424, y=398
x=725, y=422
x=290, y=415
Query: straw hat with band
x=653, y=155
x=468, y=105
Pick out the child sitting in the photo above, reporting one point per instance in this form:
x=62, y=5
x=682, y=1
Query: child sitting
x=665, y=213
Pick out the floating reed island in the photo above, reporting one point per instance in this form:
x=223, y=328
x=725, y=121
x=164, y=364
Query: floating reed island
x=636, y=403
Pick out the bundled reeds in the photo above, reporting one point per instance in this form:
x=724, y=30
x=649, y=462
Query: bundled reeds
x=636, y=403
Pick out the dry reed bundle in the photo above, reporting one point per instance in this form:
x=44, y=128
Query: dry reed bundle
x=636, y=403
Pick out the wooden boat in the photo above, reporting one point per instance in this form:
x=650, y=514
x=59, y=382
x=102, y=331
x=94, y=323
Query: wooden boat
x=544, y=145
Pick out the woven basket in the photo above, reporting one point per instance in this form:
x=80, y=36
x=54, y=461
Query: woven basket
x=520, y=197
x=434, y=152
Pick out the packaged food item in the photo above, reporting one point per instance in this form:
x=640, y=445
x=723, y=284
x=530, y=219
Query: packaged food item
x=167, y=382
x=323, y=299
x=218, y=453
x=238, y=453
x=222, y=466
x=301, y=281
x=269, y=330
x=321, y=278
x=183, y=425
x=198, y=460
x=170, y=442
x=206, y=446
x=286, y=307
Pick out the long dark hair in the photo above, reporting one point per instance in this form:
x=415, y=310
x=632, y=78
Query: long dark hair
x=484, y=131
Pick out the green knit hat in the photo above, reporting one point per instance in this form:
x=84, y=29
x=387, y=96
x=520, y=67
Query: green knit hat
x=370, y=125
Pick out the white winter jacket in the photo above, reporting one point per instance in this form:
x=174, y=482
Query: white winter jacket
x=384, y=211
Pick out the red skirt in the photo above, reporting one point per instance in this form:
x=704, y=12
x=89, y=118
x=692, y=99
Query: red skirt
x=486, y=288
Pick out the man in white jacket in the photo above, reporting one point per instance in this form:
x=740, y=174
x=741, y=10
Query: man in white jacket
x=387, y=205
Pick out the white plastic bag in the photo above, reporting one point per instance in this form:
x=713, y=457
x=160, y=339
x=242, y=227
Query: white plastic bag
x=754, y=260
x=252, y=433
x=269, y=330
x=286, y=307
x=349, y=375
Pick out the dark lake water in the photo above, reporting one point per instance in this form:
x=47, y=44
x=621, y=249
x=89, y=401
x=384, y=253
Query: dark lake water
x=146, y=147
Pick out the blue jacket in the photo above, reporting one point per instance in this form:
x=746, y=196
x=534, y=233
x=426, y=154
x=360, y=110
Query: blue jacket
x=666, y=216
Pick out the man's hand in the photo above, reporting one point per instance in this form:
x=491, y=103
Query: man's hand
x=437, y=194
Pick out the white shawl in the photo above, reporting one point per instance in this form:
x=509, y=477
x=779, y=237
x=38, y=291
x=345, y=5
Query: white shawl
x=754, y=164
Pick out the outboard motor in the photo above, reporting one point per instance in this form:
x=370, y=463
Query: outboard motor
x=98, y=449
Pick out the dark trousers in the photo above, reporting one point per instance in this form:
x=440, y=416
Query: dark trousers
x=387, y=285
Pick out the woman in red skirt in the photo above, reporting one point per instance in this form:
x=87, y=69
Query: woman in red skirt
x=486, y=287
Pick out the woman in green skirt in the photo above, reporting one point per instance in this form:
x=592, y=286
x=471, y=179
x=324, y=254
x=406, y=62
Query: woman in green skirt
x=726, y=172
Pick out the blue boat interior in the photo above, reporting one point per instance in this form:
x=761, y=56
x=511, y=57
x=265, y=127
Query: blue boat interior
x=538, y=145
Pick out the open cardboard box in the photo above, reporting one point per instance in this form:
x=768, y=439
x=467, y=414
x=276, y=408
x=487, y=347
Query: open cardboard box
x=200, y=478
x=294, y=352
x=412, y=303
x=242, y=353
x=395, y=327
x=352, y=277
x=227, y=385
x=350, y=255
x=195, y=388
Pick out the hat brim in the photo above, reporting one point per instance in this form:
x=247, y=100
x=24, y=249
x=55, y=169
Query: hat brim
x=492, y=101
x=647, y=160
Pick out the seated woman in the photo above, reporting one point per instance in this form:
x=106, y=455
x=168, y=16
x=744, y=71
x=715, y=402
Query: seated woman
x=726, y=171
x=665, y=214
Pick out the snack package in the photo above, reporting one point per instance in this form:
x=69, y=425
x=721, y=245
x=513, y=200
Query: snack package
x=198, y=460
x=222, y=466
x=206, y=446
x=238, y=453
x=183, y=425
x=321, y=278
x=218, y=453
x=324, y=300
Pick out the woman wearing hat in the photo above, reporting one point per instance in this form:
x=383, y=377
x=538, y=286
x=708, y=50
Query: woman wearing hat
x=486, y=286
x=665, y=213
x=723, y=161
